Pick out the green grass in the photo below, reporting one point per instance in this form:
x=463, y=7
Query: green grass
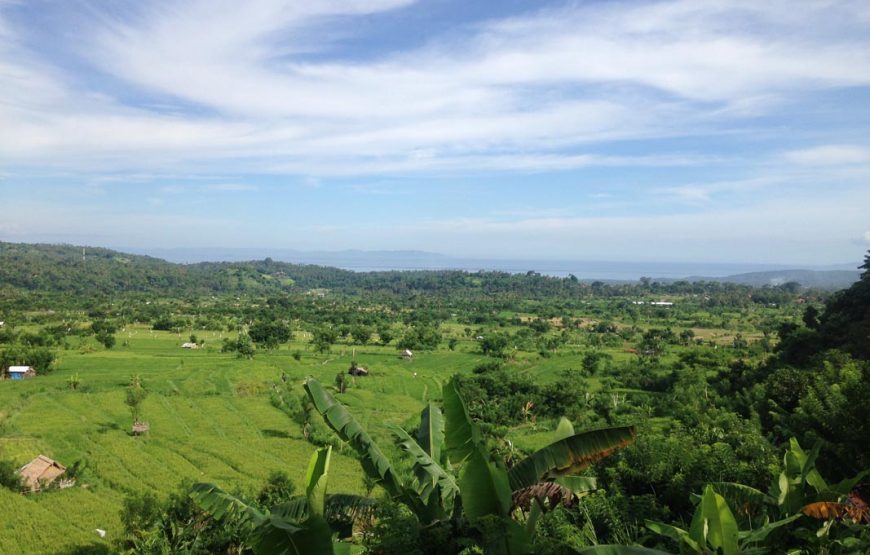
x=210, y=416
x=211, y=420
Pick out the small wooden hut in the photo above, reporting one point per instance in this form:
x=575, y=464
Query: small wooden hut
x=21, y=372
x=356, y=370
x=40, y=472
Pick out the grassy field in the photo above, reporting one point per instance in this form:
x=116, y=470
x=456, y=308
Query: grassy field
x=210, y=416
x=211, y=420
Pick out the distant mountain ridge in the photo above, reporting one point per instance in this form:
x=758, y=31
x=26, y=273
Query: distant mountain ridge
x=76, y=269
x=825, y=277
x=818, y=279
x=193, y=255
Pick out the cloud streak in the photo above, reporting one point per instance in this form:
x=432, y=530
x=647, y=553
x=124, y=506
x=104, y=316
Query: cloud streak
x=625, y=126
x=550, y=86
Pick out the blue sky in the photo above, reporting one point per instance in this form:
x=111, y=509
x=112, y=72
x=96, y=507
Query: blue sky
x=716, y=131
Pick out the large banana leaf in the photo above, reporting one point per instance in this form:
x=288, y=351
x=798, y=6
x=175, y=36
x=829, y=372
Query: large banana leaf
x=569, y=456
x=373, y=461
x=224, y=506
x=798, y=472
x=679, y=535
x=713, y=524
x=281, y=536
x=579, y=485
x=746, y=499
x=316, y=480
x=760, y=534
x=269, y=532
x=431, y=477
x=485, y=488
x=430, y=436
x=339, y=508
x=486, y=501
x=462, y=437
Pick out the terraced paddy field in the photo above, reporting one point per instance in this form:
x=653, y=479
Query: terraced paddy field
x=211, y=420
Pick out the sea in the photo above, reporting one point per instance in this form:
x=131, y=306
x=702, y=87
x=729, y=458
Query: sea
x=381, y=261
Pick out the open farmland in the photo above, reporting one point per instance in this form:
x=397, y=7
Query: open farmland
x=709, y=382
x=211, y=420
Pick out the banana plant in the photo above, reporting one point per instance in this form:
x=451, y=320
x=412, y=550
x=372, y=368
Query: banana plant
x=714, y=529
x=301, y=525
x=453, y=473
x=798, y=490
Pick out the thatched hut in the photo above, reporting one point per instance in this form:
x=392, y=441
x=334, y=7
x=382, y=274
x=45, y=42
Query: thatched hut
x=40, y=472
x=356, y=370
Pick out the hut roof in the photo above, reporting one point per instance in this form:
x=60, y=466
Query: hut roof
x=41, y=470
x=358, y=371
x=16, y=369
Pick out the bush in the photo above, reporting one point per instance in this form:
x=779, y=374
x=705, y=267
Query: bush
x=9, y=477
x=177, y=525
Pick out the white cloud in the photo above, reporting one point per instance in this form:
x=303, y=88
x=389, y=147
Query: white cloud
x=706, y=192
x=233, y=187
x=829, y=155
x=505, y=95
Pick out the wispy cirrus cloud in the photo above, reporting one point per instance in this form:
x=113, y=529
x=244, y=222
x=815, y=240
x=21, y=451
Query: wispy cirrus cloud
x=233, y=187
x=830, y=155
x=564, y=78
x=692, y=111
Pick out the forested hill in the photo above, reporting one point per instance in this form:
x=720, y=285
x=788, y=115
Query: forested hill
x=819, y=279
x=97, y=271
x=90, y=272
x=78, y=270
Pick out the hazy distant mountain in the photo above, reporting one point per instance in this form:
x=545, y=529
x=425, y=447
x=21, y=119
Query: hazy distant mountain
x=409, y=259
x=819, y=279
x=231, y=269
x=585, y=270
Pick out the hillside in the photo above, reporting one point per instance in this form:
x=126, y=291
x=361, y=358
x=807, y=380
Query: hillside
x=93, y=272
x=72, y=269
x=818, y=279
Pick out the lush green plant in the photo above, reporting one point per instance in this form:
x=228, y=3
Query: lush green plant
x=798, y=494
x=243, y=346
x=298, y=525
x=136, y=393
x=454, y=476
x=9, y=477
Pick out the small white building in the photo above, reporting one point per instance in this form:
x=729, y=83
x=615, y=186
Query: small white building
x=189, y=346
x=21, y=372
x=407, y=354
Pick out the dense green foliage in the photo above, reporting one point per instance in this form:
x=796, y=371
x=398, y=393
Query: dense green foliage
x=722, y=385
